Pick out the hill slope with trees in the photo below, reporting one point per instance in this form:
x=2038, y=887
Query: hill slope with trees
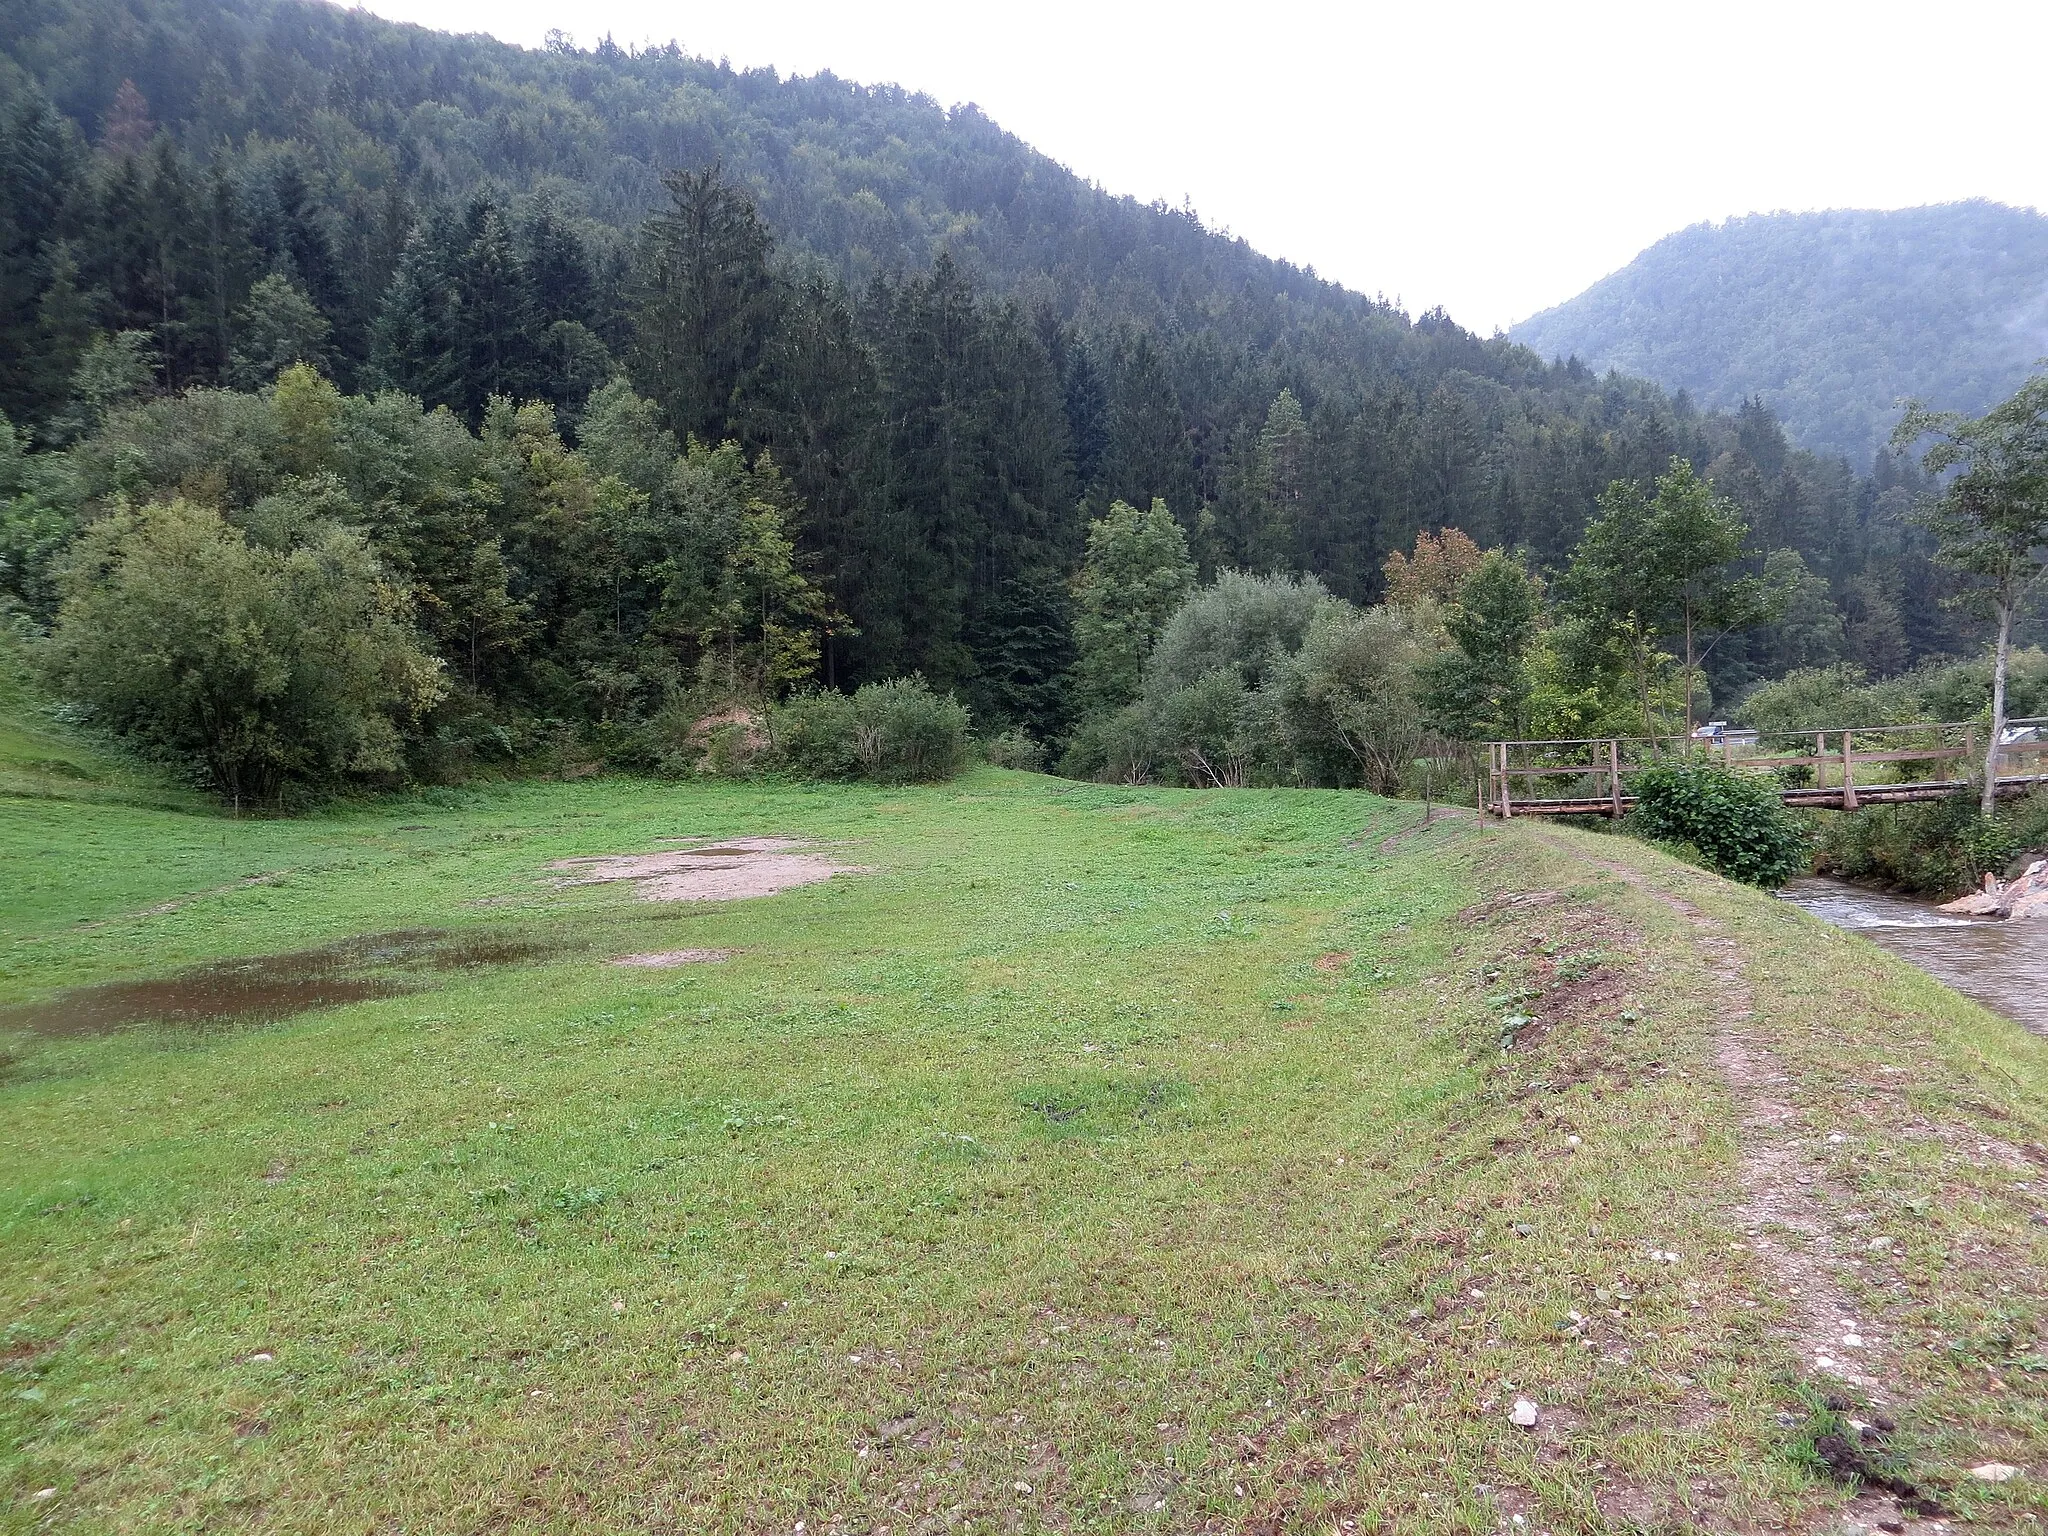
x=1832, y=319
x=637, y=380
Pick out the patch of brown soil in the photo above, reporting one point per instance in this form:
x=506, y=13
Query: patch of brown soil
x=733, y=870
x=1573, y=982
x=665, y=959
x=1335, y=960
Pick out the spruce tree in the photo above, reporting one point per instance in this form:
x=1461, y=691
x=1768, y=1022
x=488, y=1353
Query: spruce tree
x=37, y=171
x=1147, y=453
x=706, y=303
x=412, y=344
x=492, y=324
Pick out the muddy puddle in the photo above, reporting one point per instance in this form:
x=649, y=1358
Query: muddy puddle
x=262, y=989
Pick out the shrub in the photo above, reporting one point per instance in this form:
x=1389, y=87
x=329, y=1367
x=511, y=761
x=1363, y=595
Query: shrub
x=732, y=744
x=1211, y=728
x=906, y=734
x=815, y=736
x=1351, y=695
x=1828, y=698
x=276, y=671
x=1117, y=746
x=897, y=732
x=1936, y=849
x=1246, y=624
x=1015, y=749
x=1736, y=822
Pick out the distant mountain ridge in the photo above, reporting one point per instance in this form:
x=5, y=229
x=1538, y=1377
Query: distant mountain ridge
x=1832, y=318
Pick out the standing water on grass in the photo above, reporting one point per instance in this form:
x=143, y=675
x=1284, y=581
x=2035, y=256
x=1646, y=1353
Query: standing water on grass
x=2003, y=965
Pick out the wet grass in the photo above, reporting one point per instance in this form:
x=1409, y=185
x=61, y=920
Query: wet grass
x=1105, y=1159
x=249, y=990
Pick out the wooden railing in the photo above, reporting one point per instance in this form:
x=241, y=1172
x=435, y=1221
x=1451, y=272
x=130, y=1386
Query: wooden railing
x=1588, y=776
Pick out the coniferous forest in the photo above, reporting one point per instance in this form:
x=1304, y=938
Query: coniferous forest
x=585, y=388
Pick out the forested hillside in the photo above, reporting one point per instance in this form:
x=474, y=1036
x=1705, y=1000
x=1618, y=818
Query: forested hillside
x=533, y=292
x=1830, y=318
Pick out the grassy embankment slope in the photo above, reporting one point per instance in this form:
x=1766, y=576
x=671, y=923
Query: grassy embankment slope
x=1104, y=1159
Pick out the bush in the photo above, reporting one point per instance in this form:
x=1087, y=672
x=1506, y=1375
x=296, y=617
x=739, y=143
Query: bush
x=906, y=734
x=896, y=732
x=816, y=734
x=1117, y=746
x=1211, y=727
x=1268, y=680
x=1015, y=749
x=278, y=672
x=1351, y=696
x=1248, y=625
x=1736, y=822
x=1939, y=849
x=1828, y=698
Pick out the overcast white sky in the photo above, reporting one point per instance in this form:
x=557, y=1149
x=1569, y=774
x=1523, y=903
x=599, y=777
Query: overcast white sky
x=1492, y=158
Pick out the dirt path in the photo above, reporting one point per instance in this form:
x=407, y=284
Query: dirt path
x=1466, y=822
x=1787, y=1214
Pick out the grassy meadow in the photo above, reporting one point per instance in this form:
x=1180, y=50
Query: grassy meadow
x=1100, y=1159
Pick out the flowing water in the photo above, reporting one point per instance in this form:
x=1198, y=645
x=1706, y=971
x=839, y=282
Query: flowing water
x=2002, y=965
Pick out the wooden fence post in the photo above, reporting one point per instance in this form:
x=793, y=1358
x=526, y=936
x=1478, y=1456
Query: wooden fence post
x=1820, y=749
x=1848, y=774
x=1507, y=804
x=1614, y=778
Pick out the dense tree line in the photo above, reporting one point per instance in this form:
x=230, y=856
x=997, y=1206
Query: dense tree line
x=628, y=363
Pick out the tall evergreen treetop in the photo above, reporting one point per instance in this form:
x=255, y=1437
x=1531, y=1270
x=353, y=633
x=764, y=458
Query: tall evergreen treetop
x=706, y=308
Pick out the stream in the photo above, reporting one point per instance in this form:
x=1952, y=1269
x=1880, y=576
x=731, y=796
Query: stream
x=2002, y=965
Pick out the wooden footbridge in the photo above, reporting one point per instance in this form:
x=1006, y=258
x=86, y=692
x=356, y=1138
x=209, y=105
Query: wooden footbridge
x=1832, y=770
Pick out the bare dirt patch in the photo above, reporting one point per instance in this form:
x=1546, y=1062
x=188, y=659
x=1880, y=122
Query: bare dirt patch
x=733, y=870
x=666, y=959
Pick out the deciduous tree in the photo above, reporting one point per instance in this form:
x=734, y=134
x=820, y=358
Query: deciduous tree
x=273, y=669
x=1136, y=576
x=1991, y=517
x=1658, y=566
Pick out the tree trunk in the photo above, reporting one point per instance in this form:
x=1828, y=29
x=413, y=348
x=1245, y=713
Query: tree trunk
x=2005, y=607
x=1688, y=672
x=1641, y=647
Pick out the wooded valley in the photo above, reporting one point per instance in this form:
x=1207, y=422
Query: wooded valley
x=625, y=379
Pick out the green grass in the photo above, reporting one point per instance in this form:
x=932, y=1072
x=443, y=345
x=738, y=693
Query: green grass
x=43, y=759
x=1036, y=1179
